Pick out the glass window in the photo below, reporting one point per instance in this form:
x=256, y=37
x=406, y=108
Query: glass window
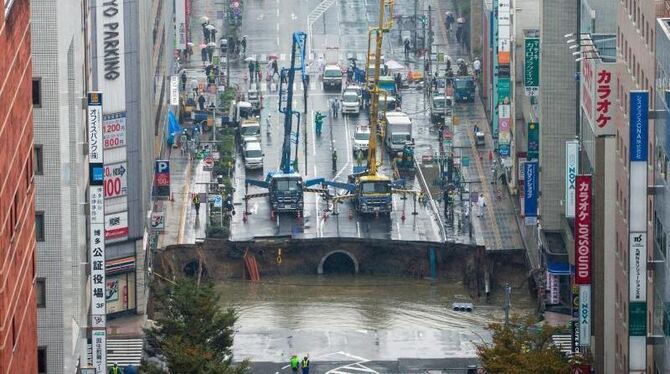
x=362, y=136
x=287, y=185
x=38, y=159
x=39, y=226
x=375, y=187
x=254, y=153
x=41, y=360
x=40, y=292
x=332, y=73
x=37, y=92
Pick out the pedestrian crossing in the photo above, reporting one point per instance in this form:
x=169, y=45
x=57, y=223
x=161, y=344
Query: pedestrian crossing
x=272, y=87
x=285, y=57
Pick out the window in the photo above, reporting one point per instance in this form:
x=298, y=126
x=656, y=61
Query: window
x=41, y=360
x=37, y=92
x=38, y=159
x=39, y=226
x=13, y=332
x=41, y=292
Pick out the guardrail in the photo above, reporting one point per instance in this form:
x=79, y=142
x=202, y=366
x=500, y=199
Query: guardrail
x=433, y=205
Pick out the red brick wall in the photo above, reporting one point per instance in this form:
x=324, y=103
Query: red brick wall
x=18, y=320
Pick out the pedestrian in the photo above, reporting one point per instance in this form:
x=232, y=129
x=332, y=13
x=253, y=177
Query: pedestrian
x=359, y=157
x=334, y=159
x=295, y=364
x=252, y=67
x=183, y=80
x=210, y=54
x=275, y=68
x=206, y=34
x=305, y=365
x=243, y=43
x=212, y=35
x=205, y=58
x=115, y=369
x=482, y=204
x=398, y=81
x=201, y=102
x=337, y=107
x=407, y=48
x=196, y=203
x=268, y=124
x=476, y=65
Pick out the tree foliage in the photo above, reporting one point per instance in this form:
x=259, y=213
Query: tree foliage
x=522, y=348
x=192, y=334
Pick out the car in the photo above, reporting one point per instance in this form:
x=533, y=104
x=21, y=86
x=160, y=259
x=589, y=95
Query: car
x=332, y=77
x=351, y=103
x=357, y=89
x=361, y=138
x=253, y=155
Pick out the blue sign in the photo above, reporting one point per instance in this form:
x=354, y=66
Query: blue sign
x=96, y=174
x=503, y=150
x=530, y=188
x=639, y=125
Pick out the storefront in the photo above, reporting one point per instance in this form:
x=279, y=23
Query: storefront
x=120, y=286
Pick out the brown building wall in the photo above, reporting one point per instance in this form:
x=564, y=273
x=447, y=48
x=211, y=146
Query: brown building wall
x=635, y=71
x=18, y=326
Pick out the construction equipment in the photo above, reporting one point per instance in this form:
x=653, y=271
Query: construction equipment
x=285, y=186
x=370, y=191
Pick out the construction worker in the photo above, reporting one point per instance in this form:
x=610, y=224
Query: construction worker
x=359, y=157
x=295, y=364
x=115, y=369
x=305, y=365
x=196, y=203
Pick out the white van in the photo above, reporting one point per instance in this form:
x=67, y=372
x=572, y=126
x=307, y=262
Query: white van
x=361, y=138
x=253, y=155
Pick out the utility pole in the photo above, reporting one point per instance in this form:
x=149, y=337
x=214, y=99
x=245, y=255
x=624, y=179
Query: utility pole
x=416, y=19
x=305, y=83
x=507, y=306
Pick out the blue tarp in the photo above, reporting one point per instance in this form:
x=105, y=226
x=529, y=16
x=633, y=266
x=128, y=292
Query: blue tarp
x=560, y=268
x=173, y=128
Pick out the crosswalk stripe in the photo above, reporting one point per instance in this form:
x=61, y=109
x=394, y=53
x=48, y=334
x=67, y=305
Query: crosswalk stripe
x=360, y=56
x=264, y=86
x=282, y=57
x=263, y=57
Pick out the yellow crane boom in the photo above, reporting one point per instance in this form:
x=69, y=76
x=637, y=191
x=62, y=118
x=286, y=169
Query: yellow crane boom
x=384, y=25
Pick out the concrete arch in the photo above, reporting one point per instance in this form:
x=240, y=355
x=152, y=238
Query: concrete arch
x=319, y=269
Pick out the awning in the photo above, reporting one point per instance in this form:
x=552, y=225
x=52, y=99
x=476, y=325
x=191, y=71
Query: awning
x=560, y=268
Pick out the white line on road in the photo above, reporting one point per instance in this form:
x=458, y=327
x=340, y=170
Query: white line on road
x=277, y=41
x=358, y=228
x=277, y=26
x=397, y=225
x=348, y=145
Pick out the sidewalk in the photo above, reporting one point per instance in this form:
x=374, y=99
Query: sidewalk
x=498, y=228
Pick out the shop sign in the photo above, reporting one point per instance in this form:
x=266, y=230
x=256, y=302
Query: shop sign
x=571, y=165
x=114, y=130
x=99, y=346
x=116, y=226
x=531, y=76
x=94, y=113
x=585, y=315
x=533, y=145
x=116, y=180
x=583, y=231
x=530, y=192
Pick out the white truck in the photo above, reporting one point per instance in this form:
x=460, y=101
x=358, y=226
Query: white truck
x=398, y=132
x=250, y=129
x=240, y=110
x=332, y=77
x=361, y=139
x=253, y=154
x=351, y=103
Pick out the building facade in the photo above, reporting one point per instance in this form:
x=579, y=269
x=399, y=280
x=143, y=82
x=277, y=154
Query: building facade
x=18, y=289
x=60, y=130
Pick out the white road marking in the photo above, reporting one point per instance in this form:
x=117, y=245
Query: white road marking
x=348, y=145
x=260, y=17
x=282, y=56
x=277, y=26
x=277, y=12
x=358, y=228
x=397, y=225
x=277, y=41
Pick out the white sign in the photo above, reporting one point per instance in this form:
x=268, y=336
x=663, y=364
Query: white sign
x=114, y=130
x=571, y=165
x=99, y=351
x=116, y=180
x=158, y=221
x=553, y=285
x=638, y=266
x=110, y=55
x=180, y=24
x=504, y=111
x=97, y=258
x=94, y=113
x=116, y=227
x=585, y=315
x=174, y=90
x=96, y=204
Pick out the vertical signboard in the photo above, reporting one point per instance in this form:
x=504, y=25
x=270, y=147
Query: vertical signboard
x=174, y=90
x=637, y=244
x=530, y=184
x=571, y=165
x=583, y=245
x=180, y=24
x=533, y=141
x=531, y=68
x=96, y=243
x=162, y=178
x=598, y=82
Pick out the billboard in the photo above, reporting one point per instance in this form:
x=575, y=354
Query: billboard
x=114, y=130
x=116, y=227
x=585, y=315
x=116, y=180
x=598, y=81
x=531, y=67
x=571, y=167
x=174, y=90
x=637, y=227
x=530, y=184
x=180, y=24
x=583, y=239
x=533, y=141
x=99, y=346
x=95, y=135
x=110, y=54
x=162, y=178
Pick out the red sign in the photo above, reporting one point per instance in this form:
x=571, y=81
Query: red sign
x=583, y=239
x=582, y=369
x=603, y=92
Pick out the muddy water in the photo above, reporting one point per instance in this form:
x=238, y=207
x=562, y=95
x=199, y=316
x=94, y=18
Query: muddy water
x=371, y=317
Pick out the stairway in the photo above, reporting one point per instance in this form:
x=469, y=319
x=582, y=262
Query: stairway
x=124, y=352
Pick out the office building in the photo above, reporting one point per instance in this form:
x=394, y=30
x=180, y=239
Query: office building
x=19, y=224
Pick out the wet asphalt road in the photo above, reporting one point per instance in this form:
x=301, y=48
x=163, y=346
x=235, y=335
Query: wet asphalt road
x=269, y=25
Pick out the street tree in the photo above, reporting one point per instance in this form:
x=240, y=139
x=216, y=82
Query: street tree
x=521, y=347
x=192, y=334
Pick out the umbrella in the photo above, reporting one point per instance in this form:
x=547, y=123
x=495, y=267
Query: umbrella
x=394, y=65
x=211, y=44
x=250, y=58
x=190, y=44
x=203, y=45
x=272, y=56
x=204, y=19
x=210, y=27
x=460, y=20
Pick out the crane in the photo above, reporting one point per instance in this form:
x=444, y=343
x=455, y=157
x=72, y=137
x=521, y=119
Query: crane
x=285, y=186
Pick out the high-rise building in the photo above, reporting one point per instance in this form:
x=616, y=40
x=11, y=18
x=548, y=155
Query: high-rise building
x=60, y=132
x=19, y=291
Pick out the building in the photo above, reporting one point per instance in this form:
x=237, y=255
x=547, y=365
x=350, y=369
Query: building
x=18, y=291
x=661, y=219
x=635, y=33
x=60, y=130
